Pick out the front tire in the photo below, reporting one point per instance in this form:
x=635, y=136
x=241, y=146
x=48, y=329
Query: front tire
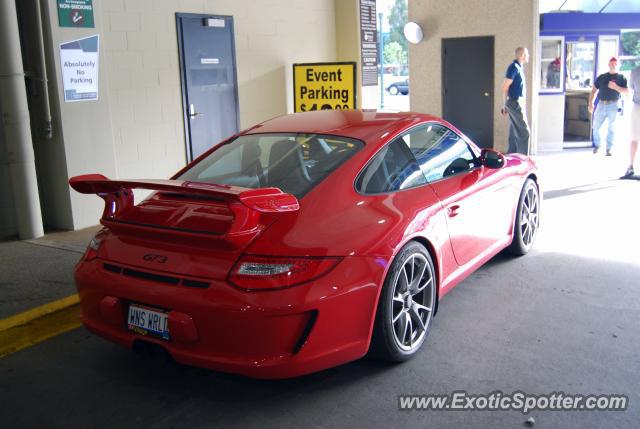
x=527, y=220
x=393, y=90
x=406, y=305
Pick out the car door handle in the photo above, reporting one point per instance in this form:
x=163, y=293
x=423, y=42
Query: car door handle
x=452, y=211
x=192, y=111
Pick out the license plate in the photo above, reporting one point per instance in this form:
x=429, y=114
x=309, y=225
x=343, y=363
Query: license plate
x=147, y=321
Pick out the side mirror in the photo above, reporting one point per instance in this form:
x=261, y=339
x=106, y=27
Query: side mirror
x=492, y=158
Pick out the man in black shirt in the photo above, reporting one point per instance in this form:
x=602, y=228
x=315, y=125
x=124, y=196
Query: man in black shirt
x=608, y=86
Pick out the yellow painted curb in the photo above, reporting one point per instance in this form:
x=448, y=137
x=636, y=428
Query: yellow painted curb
x=36, y=325
x=43, y=310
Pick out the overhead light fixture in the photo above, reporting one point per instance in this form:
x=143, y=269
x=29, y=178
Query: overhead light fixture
x=413, y=32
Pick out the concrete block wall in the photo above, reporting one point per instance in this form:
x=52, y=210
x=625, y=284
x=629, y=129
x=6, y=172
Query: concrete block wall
x=141, y=52
x=83, y=136
x=135, y=129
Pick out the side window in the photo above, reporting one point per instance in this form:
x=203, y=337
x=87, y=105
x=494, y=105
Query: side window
x=392, y=169
x=439, y=151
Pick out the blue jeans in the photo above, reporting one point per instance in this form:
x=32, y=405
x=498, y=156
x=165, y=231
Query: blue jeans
x=609, y=112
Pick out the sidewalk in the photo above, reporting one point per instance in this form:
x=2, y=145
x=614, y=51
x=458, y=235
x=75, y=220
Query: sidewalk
x=36, y=272
x=587, y=210
x=579, y=167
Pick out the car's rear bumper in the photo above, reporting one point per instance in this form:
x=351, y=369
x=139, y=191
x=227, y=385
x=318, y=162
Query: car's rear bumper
x=275, y=334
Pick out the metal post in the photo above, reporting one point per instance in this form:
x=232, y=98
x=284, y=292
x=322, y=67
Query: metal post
x=17, y=128
x=381, y=38
x=42, y=74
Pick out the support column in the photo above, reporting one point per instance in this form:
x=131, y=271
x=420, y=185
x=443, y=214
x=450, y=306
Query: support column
x=17, y=127
x=347, y=13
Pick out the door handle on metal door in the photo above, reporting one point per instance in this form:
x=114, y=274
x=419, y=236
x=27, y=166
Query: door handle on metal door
x=452, y=211
x=192, y=111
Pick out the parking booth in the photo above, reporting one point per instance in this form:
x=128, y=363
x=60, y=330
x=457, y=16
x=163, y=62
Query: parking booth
x=575, y=48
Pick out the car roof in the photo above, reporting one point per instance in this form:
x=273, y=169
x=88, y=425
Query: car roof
x=358, y=124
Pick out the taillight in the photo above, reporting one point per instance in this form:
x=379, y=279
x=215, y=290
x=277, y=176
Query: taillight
x=92, y=249
x=254, y=272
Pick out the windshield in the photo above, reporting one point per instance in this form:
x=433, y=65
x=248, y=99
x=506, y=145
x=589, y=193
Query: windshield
x=295, y=163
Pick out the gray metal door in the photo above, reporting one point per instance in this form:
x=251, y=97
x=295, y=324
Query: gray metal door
x=209, y=83
x=467, y=86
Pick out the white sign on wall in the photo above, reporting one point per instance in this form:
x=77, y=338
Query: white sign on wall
x=79, y=62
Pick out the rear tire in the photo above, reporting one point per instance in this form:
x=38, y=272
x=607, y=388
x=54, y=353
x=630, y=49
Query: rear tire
x=527, y=220
x=406, y=305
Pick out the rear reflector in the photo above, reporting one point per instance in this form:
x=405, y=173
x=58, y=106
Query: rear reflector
x=255, y=272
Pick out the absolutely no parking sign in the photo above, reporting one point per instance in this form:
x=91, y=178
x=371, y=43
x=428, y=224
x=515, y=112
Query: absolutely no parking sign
x=79, y=63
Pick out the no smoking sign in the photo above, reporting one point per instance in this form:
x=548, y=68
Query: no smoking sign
x=75, y=13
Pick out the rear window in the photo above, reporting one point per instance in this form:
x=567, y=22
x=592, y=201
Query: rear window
x=295, y=163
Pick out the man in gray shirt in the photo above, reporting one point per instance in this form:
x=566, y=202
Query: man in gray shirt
x=635, y=119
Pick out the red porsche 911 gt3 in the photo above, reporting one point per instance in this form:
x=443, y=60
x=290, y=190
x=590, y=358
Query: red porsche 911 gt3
x=303, y=243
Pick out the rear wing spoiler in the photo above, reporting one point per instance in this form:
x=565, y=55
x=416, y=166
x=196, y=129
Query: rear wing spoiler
x=265, y=200
x=246, y=204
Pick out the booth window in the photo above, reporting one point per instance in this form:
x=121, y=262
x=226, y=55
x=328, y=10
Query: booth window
x=552, y=64
x=581, y=65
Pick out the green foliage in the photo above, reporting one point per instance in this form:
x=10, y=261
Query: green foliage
x=394, y=54
x=628, y=65
x=398, y=17
x=631, y=43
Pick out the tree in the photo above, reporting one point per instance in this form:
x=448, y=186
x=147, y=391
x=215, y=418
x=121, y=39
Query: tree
x=631, y=43
x=394, y=54
x=398, y=17
x=630, y=47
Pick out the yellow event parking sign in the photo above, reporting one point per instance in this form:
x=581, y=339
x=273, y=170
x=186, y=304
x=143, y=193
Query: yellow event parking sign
x=324, y=86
